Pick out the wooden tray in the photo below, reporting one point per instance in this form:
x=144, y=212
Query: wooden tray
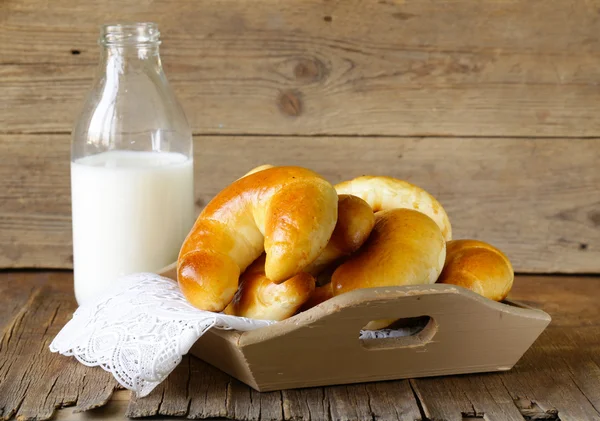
x=466, y=333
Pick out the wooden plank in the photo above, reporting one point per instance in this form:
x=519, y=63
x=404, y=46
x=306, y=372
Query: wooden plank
x=523, y=195
x=393, y=400
x=206, y=393
x=539, y=387
x=559, y=378
x=243, y=403
x=271, y=407
x=389, y=400
x=174, y=402
x=584, y=362
x=543, y=382
x=147, y=406
x=16, y=291
x=383, y=400
x=208, y=390
x=33, y=381
x=569, y=305
x=560, y=374
x=457, y=397
x=114, y=410
x=526, y=392
x=308, y=67
x=349, y=403
x=305, y=404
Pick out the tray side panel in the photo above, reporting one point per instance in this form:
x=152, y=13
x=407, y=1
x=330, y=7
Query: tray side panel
x=472, y=336
x=219, y=348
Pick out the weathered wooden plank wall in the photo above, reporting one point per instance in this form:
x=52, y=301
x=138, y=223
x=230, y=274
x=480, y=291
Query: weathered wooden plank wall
x=522, y=194
x=490, y=105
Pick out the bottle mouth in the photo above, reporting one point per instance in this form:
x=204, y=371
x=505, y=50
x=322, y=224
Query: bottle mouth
x=123, y=34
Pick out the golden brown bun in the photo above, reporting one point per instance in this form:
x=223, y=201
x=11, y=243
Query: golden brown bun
x=406, y=247
x=257, y=169
x=478, y=266
x=384, y=193
x=289, y=212
x=259, y=298
x=320, y=294
x=354, y=224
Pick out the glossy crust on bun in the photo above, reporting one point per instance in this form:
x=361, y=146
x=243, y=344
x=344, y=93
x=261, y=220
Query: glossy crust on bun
x=259, y=298
x=406, y=247
x=354, y=224
x=288, y=212
x=478, y=266
x=320, y=294
x=384, y=193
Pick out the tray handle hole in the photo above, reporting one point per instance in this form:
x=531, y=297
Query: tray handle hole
x=399, y=333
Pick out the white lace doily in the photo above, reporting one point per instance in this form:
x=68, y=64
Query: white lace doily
x=140, y=331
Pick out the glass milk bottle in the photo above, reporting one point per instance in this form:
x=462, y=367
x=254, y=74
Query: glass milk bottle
x=131, y=165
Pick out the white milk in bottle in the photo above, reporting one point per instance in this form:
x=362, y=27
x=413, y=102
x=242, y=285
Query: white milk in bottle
x=131, y=166
x=131, y=212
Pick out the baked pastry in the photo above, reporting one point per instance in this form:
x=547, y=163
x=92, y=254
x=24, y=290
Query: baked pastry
x=288, y=212
x=405, y=248
x=384, y=193
x=259, y=298
x=478, y=266
x=257, y=169
x=354, y=224
x=320, y=294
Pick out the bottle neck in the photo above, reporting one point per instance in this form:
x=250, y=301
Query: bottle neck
x=130, y=47
x=130, y=58
x=131, y=106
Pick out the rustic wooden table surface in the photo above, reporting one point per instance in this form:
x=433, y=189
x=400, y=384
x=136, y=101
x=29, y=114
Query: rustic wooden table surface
x=558, y=378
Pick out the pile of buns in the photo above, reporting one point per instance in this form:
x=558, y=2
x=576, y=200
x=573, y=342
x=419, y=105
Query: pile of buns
x=282, y=239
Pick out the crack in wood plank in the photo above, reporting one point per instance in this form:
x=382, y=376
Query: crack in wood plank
x=583, y=370
x=418, y=399
x=33, y=381
x=558, y=379
x=531, y=411
x=542, y=381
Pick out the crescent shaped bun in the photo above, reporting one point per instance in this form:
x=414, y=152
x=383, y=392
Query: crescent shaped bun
x=259, y=298
x=384, y=193
x=320, y=294
x=288, y=212
x=257, y=169
x=406, y=247
x=354, y=224
x=478, y=266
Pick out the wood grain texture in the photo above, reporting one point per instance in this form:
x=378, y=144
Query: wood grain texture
x=16, y=292
x=557, y=379
x=33, y=381
x=498, y=335
x=536, y=199
x=552, y=384
x=113, y=410
x=457, y=397
x=311, y=67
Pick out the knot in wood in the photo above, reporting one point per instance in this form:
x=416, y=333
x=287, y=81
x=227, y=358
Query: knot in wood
x=595, y=218
x=309, y=70
x=290, y=103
